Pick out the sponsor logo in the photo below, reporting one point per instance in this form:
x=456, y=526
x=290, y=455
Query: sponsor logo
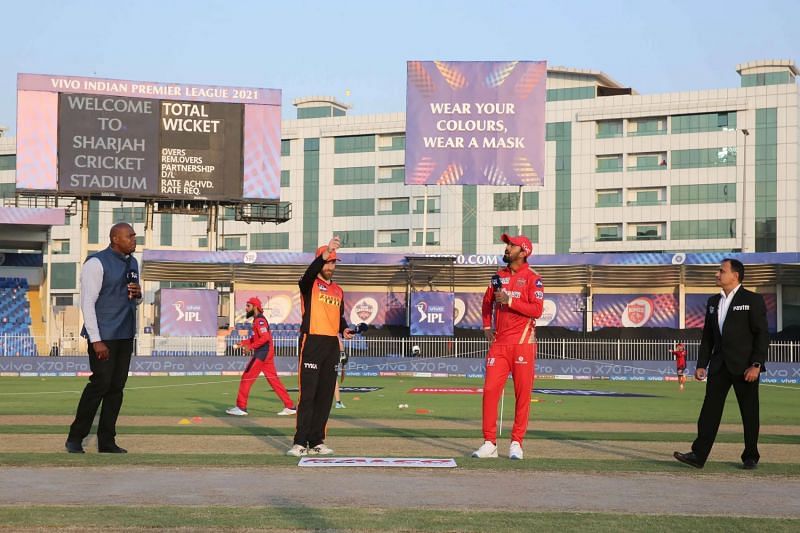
x=539, y=295
x=330, y=300
x=679, y=259
x=539, y=283
x=521, y=361
x=637, y=312
x=383, y=462
x=311, y=366
x=549, y=310
x=741, y=307
x=187, y=313
x=430, y=314
x=446, y=390
x=250, y=258
x=364, y=310
x=581, y=392
x=322, y=286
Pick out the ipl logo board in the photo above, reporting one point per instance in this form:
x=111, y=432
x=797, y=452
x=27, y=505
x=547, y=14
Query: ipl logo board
x=191, y=313
x=430, y=314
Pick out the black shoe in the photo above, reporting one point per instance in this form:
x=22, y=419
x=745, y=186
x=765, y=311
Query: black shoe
x=750, y=464
x=73, y=447
x=111, y=449
x=689, y=459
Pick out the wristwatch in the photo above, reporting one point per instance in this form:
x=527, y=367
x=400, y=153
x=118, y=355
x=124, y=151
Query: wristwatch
x=756, y=365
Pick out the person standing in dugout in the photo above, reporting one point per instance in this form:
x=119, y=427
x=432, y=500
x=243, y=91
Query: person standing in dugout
x=263, y=361
x=323, y=320
x=512, y=344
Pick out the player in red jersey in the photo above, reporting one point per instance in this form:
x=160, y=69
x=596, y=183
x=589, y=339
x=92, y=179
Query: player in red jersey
x=680, y=363
x=263, y=361
x=515, y=299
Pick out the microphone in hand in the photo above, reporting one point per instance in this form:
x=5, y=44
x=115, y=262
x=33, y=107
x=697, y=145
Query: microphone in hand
x=497, y=283
x=132, y=278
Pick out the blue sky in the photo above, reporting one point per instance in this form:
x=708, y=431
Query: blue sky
x=310, y=48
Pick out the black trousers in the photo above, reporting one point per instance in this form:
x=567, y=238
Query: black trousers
x=719, y=383
x=319, y=355
x=105, y=386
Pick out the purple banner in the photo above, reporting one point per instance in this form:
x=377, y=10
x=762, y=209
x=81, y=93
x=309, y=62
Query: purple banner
x=34, y=216
x=695, y=314
x=475, y=122
x=280, y=306
x=468, y=310
x=375, y=308
x=188, y=312
x=635, y=311
x=432, y=313
x=562, y=310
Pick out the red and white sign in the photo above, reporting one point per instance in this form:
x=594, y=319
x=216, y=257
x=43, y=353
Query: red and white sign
x=385, y=462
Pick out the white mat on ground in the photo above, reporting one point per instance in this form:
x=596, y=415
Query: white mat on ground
x=392, y=462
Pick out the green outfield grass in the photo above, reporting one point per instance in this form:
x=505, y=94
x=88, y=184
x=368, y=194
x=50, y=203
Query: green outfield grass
x=209, y=396
x=290, y=518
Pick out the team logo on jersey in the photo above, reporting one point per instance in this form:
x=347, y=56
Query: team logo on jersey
x=710, y=309
x=520, y=283
x=322, y=286
x=539, y=295
x=539, y=283
x=521, y=361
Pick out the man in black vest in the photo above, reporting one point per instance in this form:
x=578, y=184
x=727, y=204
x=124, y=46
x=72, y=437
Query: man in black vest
x=734, y=349
x=110, y=292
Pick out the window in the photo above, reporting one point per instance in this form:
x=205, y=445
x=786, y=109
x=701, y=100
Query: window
x=431, y=240
x=434, y=203
x=357, y=238
x=609, y=128
x=705, y=193
x=286, y=147
x=63, y=276
x=653, y=231
x=609, y=198
x=354, y=144
x=200, y=241
x=8, y=162
x=269, y=241
x=131, y=215
x=704, y=157
x=8, y=190
x=166, y=229
x=314, y=112
x=608, y=232
x=509, y=201
x=704, y=122
x=703, y=229
x=647, y=126
x=767, y=78
x=393, y=206
x=359, y=207
x=392, y=175
x=393, y=237
x=571, y=93
x=234, y=242
x=61, y=246
x=647, y=161
x=647, y=196
x=609, y=163
x=530, y=231
x=285, y=178
x=557, y=131
x=353, y=175
x=392, y=142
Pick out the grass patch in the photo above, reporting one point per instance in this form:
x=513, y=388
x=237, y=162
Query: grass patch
x=467, y=463
x=411, y=433
x=291, y=518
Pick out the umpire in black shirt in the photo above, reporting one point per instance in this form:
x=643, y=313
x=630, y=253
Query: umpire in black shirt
x=734, y=349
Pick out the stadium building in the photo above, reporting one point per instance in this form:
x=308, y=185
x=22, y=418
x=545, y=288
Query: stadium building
x=696, y=174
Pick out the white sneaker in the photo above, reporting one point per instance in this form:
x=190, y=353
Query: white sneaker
x=235, y=411
x=487, y=450
x=515, y=451
x=340, y=405
x=287, y=411
x=297, y=451
x=320, y=449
